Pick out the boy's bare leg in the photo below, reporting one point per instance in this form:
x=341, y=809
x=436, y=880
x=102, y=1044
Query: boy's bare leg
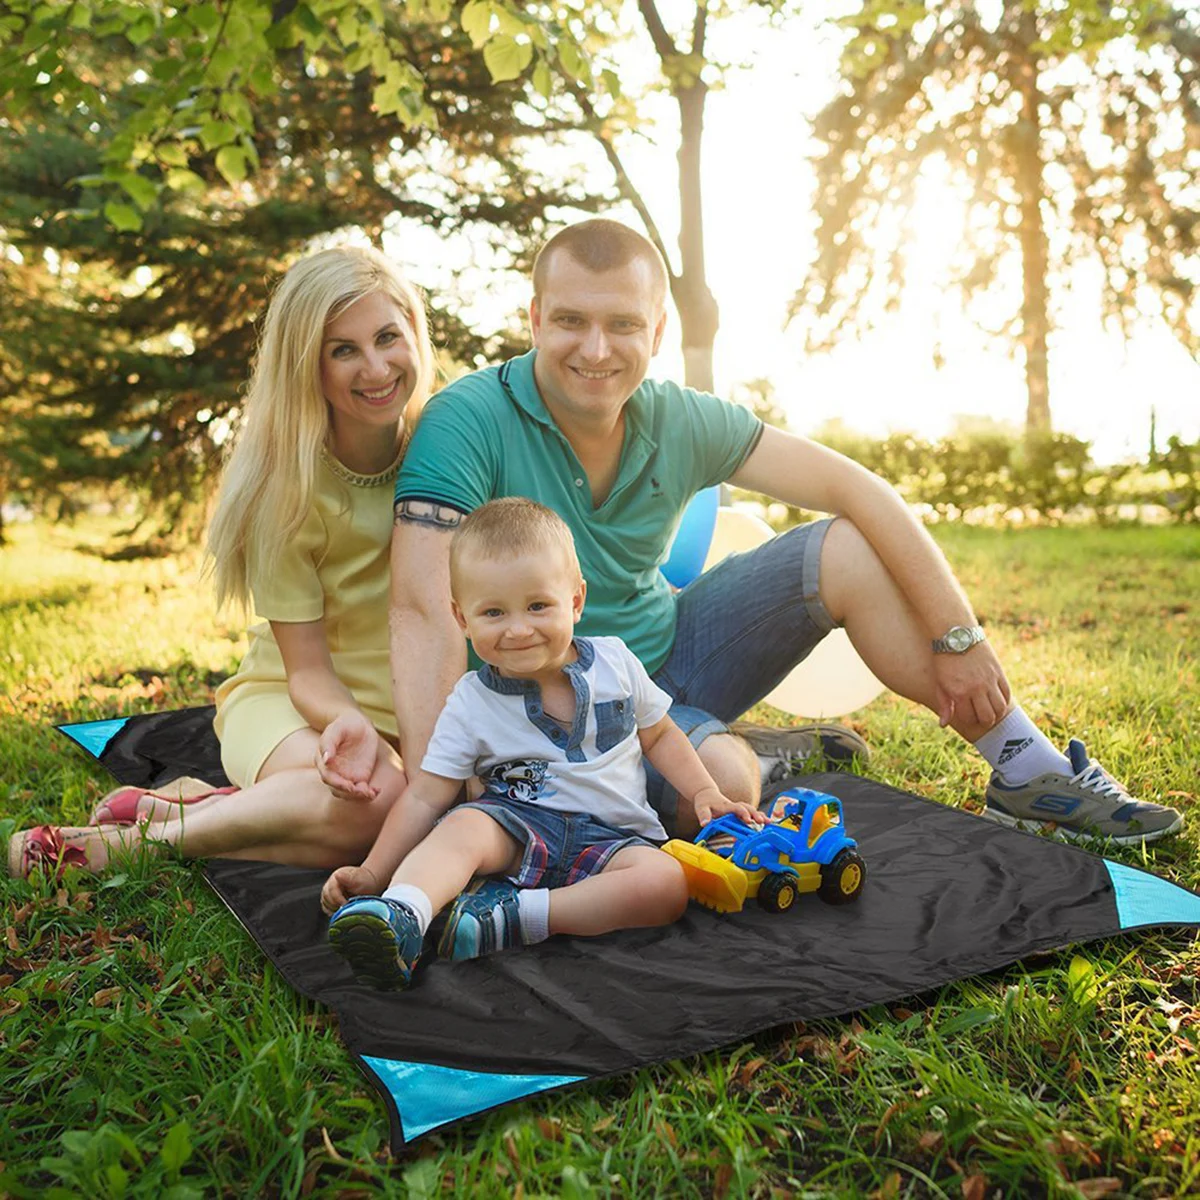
x=640, y=887
x=465, y=843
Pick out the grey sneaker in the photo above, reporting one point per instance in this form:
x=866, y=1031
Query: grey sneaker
x=783, y=753
x=1087, y=806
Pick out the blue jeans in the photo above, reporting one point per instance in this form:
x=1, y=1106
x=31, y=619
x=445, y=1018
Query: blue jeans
x=740, y=629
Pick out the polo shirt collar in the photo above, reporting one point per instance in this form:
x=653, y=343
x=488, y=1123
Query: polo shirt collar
x=502, y=685
x=517, y=379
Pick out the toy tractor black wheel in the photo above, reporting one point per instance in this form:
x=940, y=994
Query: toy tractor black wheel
x=777, y=893
x=843, y=879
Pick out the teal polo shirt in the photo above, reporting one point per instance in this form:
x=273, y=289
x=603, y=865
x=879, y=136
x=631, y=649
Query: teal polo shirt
x=489, y=435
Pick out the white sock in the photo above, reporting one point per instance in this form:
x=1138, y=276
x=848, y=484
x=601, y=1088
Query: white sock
x=533, y=909
x=414, y=900
x=1018, y=750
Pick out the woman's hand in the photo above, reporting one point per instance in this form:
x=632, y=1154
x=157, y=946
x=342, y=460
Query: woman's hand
x=711, y=803
x=344, y=883
x=346, y=756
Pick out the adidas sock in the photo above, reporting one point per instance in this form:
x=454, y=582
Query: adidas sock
x=533, y=909
x=1018, y=750
x=414, y=900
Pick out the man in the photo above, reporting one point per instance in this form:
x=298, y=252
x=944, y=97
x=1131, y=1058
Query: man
x=576, y=425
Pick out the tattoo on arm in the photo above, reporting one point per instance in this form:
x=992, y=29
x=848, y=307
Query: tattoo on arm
x=427, y=512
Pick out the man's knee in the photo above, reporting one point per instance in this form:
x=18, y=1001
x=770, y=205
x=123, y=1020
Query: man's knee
x=848, y=566
x=733, y=765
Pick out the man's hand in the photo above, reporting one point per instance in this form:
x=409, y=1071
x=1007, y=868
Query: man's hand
x=346, y=756
x=344, y=883
x=971, y=688
x=711, y=803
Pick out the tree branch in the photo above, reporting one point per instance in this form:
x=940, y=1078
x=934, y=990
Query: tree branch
x=624, y=183
x=663, y=43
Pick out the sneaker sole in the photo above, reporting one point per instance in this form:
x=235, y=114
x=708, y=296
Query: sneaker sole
x=368, y=944
x=837, y=743
x=1058, y=833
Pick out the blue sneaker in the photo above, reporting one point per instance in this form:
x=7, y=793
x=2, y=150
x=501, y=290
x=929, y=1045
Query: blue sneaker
x=379, y=938
x=1088, y=805
x=471, y=928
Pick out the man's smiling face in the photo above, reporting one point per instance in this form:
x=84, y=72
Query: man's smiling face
x=595, y=333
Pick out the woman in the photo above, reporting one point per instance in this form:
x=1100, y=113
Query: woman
x=302, y=528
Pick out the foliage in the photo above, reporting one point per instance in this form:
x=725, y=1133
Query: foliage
x=200, y=73
x=1070, y=128
x=993, y=477
x=147, y=1044
x=122, y=351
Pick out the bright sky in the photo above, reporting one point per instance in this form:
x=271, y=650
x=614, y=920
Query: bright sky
x=759, y=241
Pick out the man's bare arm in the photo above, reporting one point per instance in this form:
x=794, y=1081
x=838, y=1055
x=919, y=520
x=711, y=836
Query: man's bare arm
x=428, y=651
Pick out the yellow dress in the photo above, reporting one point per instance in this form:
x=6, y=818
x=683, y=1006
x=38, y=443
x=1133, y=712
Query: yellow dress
x=336, y=568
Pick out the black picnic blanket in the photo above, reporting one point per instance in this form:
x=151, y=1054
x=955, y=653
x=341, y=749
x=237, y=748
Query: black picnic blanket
x=948, y=895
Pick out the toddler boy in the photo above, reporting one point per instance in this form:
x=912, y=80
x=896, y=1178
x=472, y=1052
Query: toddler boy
x=555, y=726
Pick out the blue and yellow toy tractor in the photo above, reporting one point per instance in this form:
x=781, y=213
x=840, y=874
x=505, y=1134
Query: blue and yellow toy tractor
x=804, y=849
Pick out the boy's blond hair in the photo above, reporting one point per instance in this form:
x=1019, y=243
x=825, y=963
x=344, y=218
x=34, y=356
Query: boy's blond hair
x=508, y=527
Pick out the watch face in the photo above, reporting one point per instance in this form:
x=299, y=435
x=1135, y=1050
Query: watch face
x=959, y=639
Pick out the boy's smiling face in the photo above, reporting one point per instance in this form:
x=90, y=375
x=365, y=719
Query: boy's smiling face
x=520, y=612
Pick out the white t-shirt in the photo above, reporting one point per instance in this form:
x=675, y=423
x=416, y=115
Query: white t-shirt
x=495, y=728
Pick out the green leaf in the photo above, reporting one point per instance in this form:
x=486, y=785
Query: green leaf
x=172, y=154
x=970, y=1018
x=176, y=1149
x=139, y=189
x=231, y=162
x=572, y=61
x=237, y=108
x=142, y=30
x=123, y=217
x=204, y=17
x=543, y=80
x=477, y=22
x=1082, y=983
x=214, y=133
x=116, y=881
x=506, y=58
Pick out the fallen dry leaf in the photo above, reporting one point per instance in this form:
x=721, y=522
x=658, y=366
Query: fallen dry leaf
x=974, y=1187
x=1091, y=1188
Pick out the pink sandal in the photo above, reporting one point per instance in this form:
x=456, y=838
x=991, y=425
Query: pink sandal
x=120, y=807
x=42, y=848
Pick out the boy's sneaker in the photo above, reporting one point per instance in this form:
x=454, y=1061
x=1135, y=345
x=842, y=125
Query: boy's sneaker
x=484, y=918
x=783, y=753
x=1087, y=806
x=380, y=939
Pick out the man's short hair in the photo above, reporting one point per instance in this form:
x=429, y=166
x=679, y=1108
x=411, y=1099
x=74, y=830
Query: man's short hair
x=509, y=527
x=601, y=245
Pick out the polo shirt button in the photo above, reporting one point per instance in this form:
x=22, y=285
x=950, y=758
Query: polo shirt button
x=579, y=483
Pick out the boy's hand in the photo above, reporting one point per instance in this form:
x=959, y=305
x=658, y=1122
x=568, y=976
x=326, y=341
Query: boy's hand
x=344, y=883
x=711, y=802
x=346, y=756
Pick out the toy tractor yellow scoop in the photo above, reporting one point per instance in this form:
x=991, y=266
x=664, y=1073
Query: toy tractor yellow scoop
x=804, y=850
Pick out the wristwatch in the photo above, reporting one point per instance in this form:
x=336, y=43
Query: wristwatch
x=959, y=639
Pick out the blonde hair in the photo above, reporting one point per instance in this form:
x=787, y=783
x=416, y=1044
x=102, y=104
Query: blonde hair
x=267, y=489
x=600, y=244
x=507, y=527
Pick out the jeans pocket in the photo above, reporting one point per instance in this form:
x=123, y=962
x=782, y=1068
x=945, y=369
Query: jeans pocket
x=614, y=722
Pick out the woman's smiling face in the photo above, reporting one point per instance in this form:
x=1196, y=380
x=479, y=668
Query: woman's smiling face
x=368, y=367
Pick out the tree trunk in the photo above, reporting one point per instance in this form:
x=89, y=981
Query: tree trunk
x=1027, y=175
x=698, y=315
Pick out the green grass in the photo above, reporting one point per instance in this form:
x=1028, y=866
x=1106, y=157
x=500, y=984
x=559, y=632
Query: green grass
x=147, y=1049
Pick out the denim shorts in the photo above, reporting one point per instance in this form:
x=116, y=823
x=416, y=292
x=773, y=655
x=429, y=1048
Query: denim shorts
x=740, y=629
x=558, y=848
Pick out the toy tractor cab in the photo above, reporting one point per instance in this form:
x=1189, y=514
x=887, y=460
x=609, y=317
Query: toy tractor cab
x=804, y=849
